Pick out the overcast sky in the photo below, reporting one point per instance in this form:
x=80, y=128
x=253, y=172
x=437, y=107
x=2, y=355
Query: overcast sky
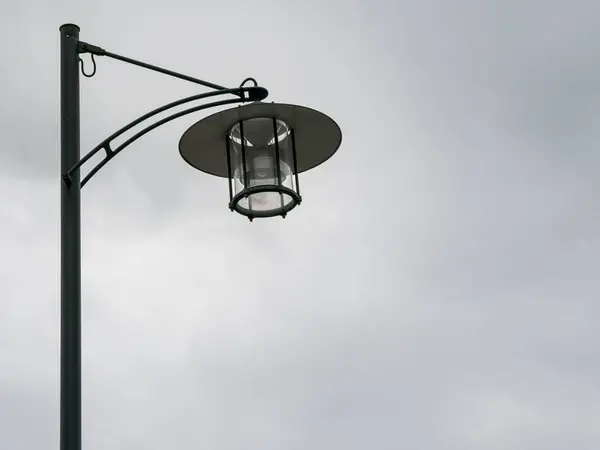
x=438, y=289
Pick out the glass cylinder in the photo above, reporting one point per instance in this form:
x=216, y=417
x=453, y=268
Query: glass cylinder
x=262, y=167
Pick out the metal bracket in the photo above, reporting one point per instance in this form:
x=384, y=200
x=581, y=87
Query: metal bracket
x=67, y=179
x=84, y=47
x=243, y=94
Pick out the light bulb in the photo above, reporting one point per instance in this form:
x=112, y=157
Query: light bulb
x=261, y=198
x=261, y=171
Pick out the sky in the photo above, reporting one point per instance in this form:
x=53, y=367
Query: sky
x=438, y=288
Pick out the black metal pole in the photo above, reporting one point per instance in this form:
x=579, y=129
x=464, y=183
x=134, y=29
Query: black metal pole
x=70, y=263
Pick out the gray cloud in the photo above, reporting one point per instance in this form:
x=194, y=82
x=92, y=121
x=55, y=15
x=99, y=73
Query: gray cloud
x=437, y=288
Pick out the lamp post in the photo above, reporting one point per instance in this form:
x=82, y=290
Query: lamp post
x=260, y=148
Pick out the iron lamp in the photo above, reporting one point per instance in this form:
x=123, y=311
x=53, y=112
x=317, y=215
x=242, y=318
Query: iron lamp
x=261, y=148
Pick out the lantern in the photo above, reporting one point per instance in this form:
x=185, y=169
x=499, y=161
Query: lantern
x=261, y=148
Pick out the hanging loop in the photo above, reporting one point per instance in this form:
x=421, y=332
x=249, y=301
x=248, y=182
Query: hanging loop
x=247, y=80
x=88, y=75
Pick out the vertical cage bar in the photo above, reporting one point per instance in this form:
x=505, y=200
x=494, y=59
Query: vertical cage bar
x=278, y=161
x=244, y=164
x=293, y=136
x=244, y=154
x=230, y=180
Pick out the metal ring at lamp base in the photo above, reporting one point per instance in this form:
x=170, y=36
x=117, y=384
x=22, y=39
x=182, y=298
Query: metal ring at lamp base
x=252, y=214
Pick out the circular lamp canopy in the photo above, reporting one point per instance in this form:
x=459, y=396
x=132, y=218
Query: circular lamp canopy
x=261, y=148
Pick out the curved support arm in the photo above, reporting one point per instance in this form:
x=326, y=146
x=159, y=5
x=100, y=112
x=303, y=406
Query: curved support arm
x=245, y=94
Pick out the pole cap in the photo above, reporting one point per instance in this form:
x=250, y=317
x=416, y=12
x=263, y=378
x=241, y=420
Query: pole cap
x=69, y=28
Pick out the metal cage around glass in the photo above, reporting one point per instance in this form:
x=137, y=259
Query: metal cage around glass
x=262, y=168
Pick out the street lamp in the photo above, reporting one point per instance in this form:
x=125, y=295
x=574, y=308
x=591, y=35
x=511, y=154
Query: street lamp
x=259, y=147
